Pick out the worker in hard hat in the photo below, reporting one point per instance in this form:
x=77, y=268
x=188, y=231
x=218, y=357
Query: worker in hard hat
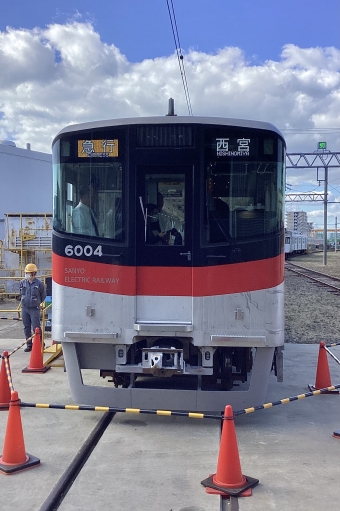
x=33, y=293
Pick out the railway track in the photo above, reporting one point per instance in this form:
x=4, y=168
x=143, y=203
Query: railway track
x=124, y=448
x=322, y=279
x=54, y=500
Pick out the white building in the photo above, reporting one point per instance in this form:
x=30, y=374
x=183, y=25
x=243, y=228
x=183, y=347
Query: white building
x=25, y=213
x=26, y=181
x=297, y=221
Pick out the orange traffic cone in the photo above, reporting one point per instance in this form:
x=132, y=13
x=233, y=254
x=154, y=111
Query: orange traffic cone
x=5, y=391
x=229, y=479
x=14, y=457
x=336, y=434
x=36, y=364
x=323, y=377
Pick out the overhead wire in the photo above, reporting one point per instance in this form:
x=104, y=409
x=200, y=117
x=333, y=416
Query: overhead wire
x=306, y=131
x=180, y=57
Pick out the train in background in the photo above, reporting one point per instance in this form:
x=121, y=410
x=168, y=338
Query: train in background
x=172, y=287
x=295, y=243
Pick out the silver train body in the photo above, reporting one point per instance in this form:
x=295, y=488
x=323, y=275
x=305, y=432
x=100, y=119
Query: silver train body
x=295, y=243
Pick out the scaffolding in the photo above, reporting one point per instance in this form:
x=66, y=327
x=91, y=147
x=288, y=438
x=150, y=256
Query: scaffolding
x=2, y=262
x=28, y=239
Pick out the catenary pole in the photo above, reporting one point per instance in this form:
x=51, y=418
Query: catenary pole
x=325, y=218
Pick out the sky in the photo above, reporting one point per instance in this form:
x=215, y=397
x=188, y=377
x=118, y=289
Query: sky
x=68, y=61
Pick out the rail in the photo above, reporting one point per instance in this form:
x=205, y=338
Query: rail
x=311, y=275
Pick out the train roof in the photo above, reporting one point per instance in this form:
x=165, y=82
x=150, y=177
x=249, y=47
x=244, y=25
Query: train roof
x=169, y=119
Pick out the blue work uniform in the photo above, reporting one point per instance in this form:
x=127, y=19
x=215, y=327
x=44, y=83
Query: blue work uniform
x=32, y=295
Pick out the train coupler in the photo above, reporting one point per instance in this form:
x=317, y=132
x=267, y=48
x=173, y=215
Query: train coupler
x=163, y=361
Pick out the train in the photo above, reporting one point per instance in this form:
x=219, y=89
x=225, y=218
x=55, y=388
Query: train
x=168, y=260
x=295, y=243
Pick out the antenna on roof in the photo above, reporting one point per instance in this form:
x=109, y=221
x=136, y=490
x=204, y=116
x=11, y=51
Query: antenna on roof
x=171, y=110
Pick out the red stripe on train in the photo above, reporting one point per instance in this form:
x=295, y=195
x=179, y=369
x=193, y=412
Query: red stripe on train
x=168, y=281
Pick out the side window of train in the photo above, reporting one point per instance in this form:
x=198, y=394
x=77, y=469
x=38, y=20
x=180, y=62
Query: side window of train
x=164, y=209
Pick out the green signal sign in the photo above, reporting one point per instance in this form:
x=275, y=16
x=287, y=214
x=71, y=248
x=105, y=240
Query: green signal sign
x=322, y=145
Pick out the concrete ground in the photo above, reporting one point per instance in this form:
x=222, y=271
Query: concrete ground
x=151, y=463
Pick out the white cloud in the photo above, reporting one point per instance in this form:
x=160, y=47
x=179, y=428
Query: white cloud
x=65, y=74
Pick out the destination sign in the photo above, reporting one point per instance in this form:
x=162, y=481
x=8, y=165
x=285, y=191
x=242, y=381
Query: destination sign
x=238, y=147
x=98, y=148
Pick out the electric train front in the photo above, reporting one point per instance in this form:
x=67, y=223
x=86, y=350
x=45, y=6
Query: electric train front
x=168, y=259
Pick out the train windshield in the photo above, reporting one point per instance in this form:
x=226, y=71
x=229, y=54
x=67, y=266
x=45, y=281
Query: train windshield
x=164, y=209
x=244, y=189
x=88, y=197
x=229, y=189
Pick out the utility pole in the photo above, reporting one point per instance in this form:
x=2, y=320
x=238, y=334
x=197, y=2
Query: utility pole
x=325, y=218
x=336, y=232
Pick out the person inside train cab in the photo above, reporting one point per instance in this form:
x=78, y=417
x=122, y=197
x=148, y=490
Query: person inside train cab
x=83, y=217
x=154, y=235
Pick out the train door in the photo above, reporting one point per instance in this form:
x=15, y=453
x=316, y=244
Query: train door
x=164, y=244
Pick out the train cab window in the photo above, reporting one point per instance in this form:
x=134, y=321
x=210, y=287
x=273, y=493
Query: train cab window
x=164, y=209
x=88, y=198
x=241, y=201
x=244, y=185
